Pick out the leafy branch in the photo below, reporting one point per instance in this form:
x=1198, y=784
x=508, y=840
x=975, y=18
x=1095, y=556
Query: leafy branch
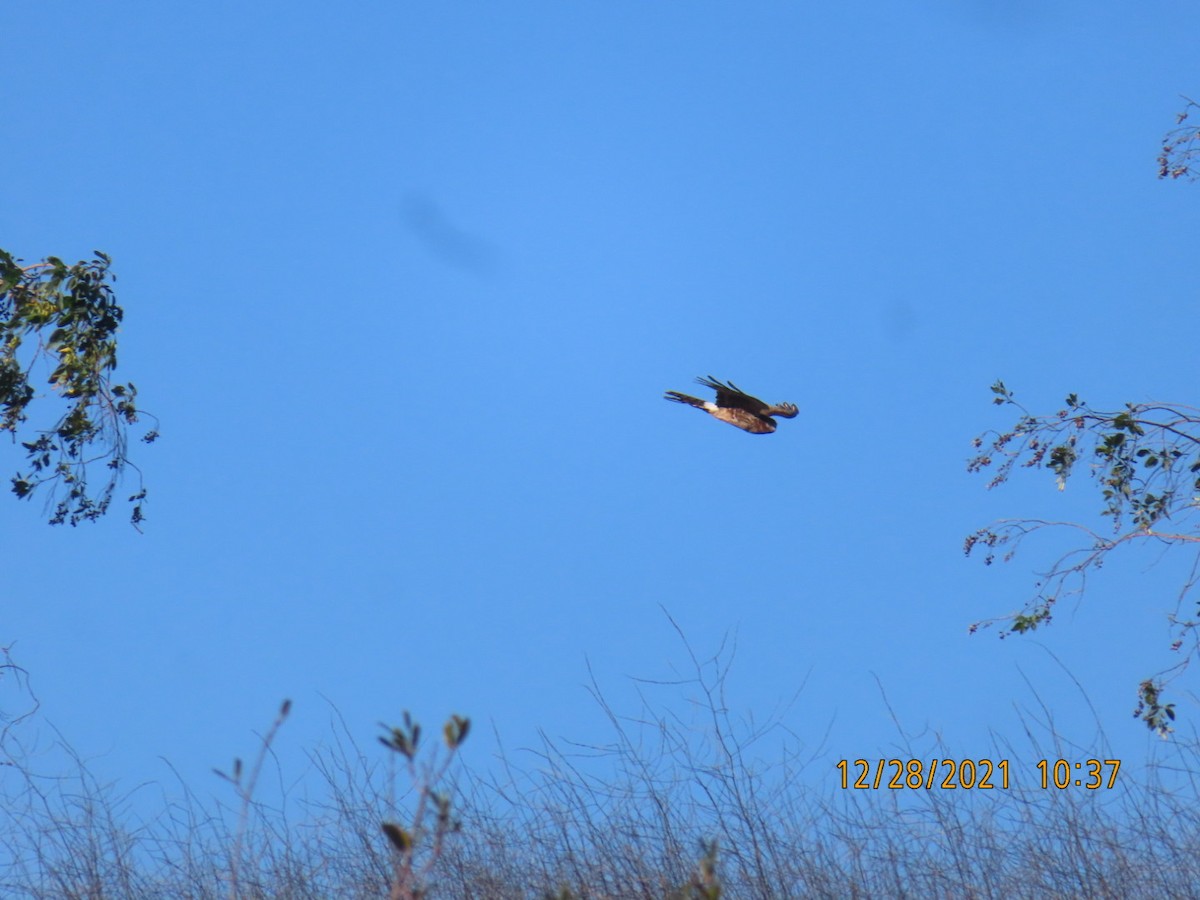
x=65, y=318
x=1145, y=460
x=1180, y=146
x=417, y=848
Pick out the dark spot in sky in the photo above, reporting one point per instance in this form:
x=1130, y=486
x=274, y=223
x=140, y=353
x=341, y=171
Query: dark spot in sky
x=445, y=240
x=899, y=320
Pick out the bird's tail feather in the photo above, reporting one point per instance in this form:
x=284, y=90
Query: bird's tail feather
x=684, y=398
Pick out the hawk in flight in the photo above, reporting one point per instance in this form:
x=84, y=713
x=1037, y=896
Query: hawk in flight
x=737, y=407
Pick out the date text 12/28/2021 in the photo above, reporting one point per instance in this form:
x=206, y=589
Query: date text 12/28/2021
x=972, y=774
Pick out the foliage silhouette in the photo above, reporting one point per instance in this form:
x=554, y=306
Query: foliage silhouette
x=66, y=318
x=1145, y=461
x=623, y=823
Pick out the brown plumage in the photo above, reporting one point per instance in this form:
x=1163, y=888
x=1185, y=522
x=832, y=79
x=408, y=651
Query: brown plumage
x=737, y=407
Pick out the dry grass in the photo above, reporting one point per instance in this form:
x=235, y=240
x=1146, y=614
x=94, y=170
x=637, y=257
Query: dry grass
x=625, y=820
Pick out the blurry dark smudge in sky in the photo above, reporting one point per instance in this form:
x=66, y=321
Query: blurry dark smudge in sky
x=899, y=320
x=449, y=243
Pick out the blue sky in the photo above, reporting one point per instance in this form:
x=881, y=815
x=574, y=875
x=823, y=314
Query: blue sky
x=404, y=284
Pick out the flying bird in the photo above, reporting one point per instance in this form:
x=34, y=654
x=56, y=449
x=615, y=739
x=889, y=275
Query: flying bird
x=737, y=407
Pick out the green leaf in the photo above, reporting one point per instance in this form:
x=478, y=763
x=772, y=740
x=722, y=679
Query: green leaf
x=400, y=839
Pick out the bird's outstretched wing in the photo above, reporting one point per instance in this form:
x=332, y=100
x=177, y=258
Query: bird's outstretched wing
x=731, y=396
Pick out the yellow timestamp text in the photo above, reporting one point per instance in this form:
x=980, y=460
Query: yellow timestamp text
x=1062, y=773
x=971, y=774
x=915, y=774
